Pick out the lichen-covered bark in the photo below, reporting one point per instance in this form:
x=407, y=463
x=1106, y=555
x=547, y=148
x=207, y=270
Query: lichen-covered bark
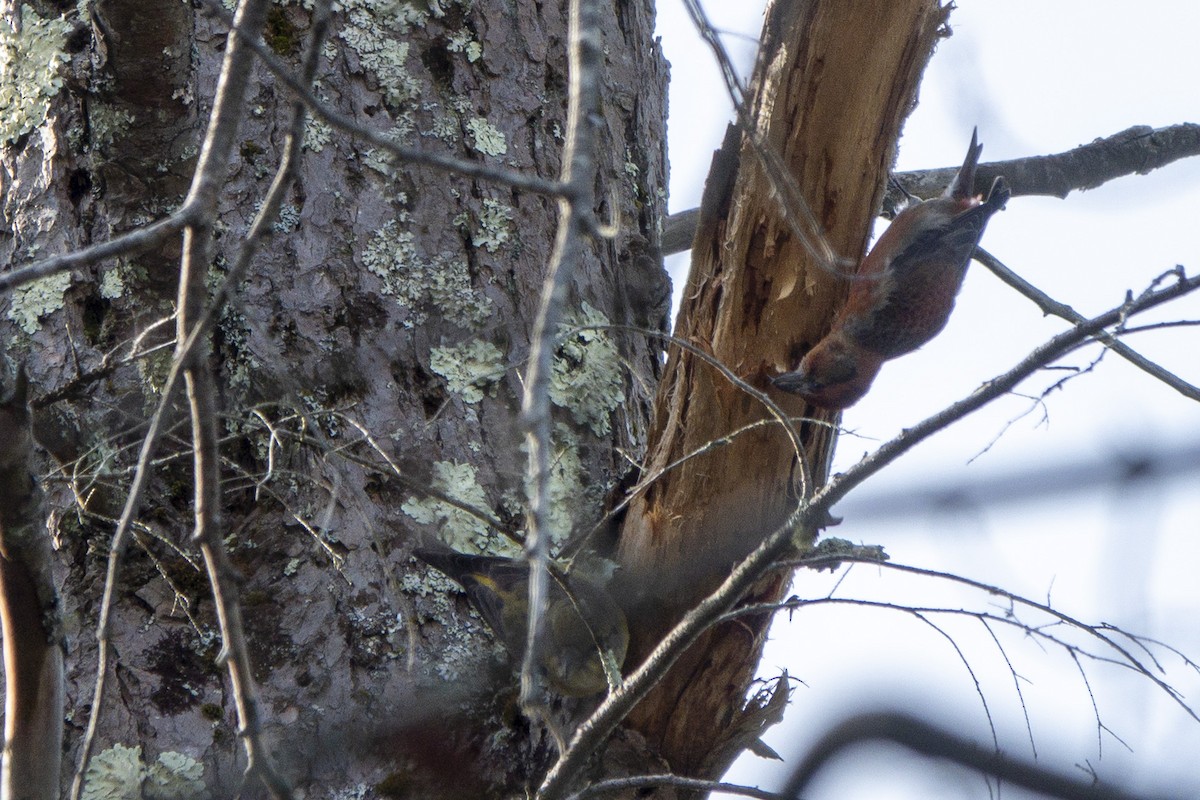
x=831, y=90
x=387, y=320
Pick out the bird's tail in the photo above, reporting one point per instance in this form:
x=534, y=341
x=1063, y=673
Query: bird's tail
x=456, y=565
x=964, y=182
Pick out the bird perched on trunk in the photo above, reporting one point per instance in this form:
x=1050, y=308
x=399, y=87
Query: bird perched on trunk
x=902, y=293
x=583, y=626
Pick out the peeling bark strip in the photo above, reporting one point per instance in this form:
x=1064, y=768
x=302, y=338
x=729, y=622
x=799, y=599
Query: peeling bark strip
x=33, y=666
x=833, y=85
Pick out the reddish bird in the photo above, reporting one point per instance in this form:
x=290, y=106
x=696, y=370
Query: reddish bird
x=903, y=292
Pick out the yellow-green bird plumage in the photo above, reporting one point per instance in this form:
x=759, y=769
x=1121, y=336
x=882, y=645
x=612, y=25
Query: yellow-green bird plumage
x=582, y=622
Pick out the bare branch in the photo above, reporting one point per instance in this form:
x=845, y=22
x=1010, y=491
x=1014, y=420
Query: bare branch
x=142, y=239
x=393, y=470
x=203, y=396
x=920, y=614
x=1064, y=311
x=1016, y=684
x=600, y=788
x=575, y=226
x=1134, y=151
x=1002, y=384
x=108, y=364
x=1138, y=150
x=679, y=230
x=923, y=738
x=127, y=244
x=1098, y=632
x=778, y=417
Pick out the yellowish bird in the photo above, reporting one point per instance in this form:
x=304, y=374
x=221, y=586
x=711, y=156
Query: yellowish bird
x=583, y=626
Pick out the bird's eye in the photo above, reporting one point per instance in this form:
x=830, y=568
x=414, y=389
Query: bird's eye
x=841, y=371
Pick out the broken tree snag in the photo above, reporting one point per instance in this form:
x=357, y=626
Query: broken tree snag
x=833, y=84
x=33, y=667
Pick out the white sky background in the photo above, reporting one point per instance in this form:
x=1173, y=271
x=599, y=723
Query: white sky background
x=1036, y=78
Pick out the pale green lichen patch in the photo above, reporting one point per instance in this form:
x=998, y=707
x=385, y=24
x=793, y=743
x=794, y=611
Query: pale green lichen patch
x=119, y=774
x=633, y=172
x=35, y=300
x=569, y=496
x=114, y=774
x=174, y=776
x=565, y=487
x=373, y=29
x=153, y=370
x=588, y=376
x=444, y=127
x=381, y=161
x=317, y=134
x=494, y=229
x=457, y=527
x=415, y=281
x=112, y=283
x=489, y=140
x=384, y=161
x=469, y=368
x=289, y=219
x=30, y=76
x=463, y=42
x=106, y=124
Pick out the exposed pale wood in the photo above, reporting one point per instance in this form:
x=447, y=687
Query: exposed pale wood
x=33, y=662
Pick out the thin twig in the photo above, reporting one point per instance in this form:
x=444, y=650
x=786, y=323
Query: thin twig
x=575, y=226
x=987, y=710
x=136, y=241
x=144, y=238
x=1050, y=306
x=1096, y=632
x=1016, y=684
x=480, y=514
x=194, y=321
x=778, y=417
x=108, y=364
x=676, y=781
x=592, y=732
x=1041, y=356
x=202, y=388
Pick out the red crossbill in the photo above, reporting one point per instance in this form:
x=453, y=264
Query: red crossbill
x=902, y=293
x=583, y=625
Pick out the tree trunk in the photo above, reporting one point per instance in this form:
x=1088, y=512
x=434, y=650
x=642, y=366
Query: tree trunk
x=33, y=662
x=375, y=350
x=832, y=87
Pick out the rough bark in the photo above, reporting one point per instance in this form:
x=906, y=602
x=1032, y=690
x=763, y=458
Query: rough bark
x=833, y=85
x=391, y=301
